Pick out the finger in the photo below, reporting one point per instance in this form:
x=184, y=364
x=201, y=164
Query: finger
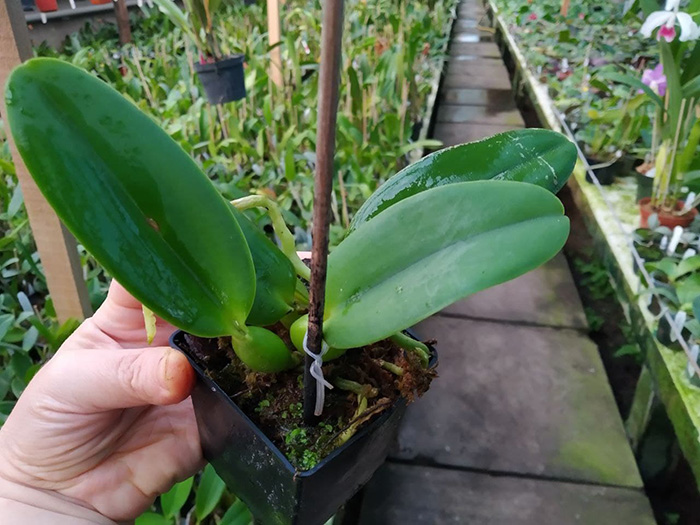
x=304, y=255
x=120, y=297
x=88, y=381
x=121, y=318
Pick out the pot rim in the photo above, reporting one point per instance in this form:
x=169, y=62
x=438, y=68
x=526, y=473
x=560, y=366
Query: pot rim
x=646, y=202
x=174, y=341
x=227, y=62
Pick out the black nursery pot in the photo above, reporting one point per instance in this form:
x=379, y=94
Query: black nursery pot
x=605, y=176
x=664, y=331
x=645, y=186
x=262, y=477
x=223, y=80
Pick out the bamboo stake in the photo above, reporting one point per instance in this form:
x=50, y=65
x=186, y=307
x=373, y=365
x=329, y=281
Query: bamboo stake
x=57, y=247
x=122, y=14
x=331, y=40
x=273, y=34
x=564, y=11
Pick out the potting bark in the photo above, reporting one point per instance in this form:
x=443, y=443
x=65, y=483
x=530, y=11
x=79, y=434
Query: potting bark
x=274, y=402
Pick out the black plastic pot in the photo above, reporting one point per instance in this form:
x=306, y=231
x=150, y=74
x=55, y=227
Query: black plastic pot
x=223, y=80
x=606, y=175
x=644, y=185
x=664, y=331
x=260, y=475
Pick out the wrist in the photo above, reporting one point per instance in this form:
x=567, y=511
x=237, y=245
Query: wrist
x=20, y=504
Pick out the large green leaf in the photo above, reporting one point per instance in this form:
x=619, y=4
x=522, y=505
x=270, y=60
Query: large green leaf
x=537, y=156
x=132, y=197
x=432, y=249
x=211, y=488
x=275, y=279
x=237, y=514
x=172, y=501
x=634, y=82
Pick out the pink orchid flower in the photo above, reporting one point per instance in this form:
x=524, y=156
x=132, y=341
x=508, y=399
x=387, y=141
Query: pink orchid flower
x=655, y=79
x=666, y=22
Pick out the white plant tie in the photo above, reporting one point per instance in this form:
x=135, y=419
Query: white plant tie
x=317, y=374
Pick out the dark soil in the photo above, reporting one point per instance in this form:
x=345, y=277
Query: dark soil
x=275, y=401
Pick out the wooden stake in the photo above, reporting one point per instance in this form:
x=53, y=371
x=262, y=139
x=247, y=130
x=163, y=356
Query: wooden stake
x=122, y=13
x=57, y=247
x=274, y=36
x=564, y=11
x=329, y=78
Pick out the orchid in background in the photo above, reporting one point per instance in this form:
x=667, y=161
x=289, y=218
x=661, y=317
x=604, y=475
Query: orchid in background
x=655, y=79
x=666, y=22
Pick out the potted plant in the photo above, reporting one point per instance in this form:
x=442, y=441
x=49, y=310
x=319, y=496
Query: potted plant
x=612, y=129
x=436, y=232
x=674, y=87
x=221, y=76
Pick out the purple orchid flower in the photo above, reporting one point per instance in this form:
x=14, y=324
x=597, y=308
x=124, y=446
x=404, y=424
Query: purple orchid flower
x=655, y=79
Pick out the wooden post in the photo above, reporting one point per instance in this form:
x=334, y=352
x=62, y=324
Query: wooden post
x=274, y=36
x=57, y=247
x=564, y=11
x=122, y=13
x=329, y=79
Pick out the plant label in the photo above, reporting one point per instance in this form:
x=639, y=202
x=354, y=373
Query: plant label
x=694, y=352
x=675, y=239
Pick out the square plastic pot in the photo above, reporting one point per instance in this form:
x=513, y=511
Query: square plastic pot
x=260, y=475
x=223, y=80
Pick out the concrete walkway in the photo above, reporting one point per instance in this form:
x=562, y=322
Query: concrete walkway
x=521, y=426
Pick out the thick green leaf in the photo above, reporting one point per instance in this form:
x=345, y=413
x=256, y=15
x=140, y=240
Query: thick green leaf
x=151, y=518
x=688, y=265
x=132, y=197
x=691, y=89
x=537, y=156
x=432, y=249
x=275, y=279
x=688, y=289
x=172, y=501
x=237, y=514
x=211, y=487
x=633, y=82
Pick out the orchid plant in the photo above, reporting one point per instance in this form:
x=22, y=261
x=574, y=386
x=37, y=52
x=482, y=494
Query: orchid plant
x=456, y=222
x=673, y=86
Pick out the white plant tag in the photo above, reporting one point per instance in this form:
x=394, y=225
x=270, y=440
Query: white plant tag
x=689, y=253
x=43, y=17
x=675, y=239
x=679, y=322
x=688, y=200
x=72, y=4
x=663, y=243
x=694, y=352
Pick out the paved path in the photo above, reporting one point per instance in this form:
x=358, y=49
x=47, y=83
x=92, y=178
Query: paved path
x=521, y=426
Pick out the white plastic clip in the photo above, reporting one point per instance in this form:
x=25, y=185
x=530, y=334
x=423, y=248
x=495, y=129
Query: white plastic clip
x=317, y=374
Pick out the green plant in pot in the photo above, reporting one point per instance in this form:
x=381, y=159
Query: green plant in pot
x=222, y=76
x=611, y=132
x=674, y=89
x=454, y=223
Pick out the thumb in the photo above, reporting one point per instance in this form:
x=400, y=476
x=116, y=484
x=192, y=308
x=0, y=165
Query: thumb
x=97, y=380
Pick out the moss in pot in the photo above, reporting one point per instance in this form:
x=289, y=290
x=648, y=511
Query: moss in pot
x=454, y=223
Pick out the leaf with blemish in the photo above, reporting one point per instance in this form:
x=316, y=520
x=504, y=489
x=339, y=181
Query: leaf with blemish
x=132, y=197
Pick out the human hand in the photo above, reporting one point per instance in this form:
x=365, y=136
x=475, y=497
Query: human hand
x=107, y=424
